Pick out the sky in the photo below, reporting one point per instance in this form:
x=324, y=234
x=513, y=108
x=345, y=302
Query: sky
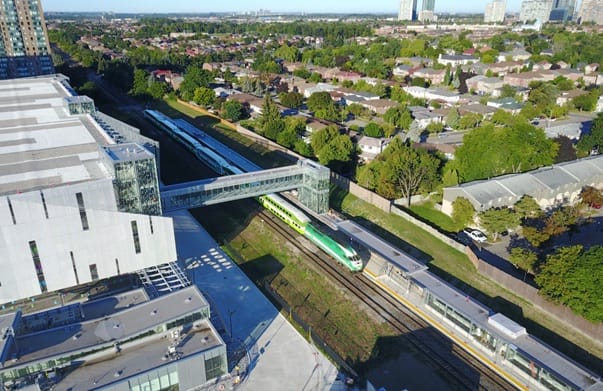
x=310, y=6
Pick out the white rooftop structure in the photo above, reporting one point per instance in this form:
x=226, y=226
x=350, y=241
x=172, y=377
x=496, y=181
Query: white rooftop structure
x=548, y=185
x=77, y=201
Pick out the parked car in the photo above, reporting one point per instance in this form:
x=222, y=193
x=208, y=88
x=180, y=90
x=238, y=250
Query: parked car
x=476, y=235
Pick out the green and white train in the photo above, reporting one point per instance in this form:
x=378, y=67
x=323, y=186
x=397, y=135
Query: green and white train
x=294, y=218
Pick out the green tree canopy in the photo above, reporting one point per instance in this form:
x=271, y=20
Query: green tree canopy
x=410, y=169
x=204, y=96
x=567, y=277
x=233, y=110
x=194, y=77
x=291, y=99
x=489, y=151
x=497, y=220
x=322, y=137
x=373, y=130
x=323, y=106
x=463, y=211
x=595, y=137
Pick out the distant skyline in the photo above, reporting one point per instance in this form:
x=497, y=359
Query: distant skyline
x=309, y=6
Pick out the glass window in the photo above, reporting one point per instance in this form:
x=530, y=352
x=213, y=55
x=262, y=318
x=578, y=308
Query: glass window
x=93, y=272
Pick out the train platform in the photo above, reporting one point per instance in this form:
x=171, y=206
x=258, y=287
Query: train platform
x=278, y=357
x=494, y=339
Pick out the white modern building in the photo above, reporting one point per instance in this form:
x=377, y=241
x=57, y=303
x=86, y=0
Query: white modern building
x=495, y=11
x=536, y=10
x=408, y=10
x=78, y=202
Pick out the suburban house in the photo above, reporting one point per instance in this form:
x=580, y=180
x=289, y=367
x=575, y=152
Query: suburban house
x=514, y=55
x=379, y=106
x=507, y=104
x=372, y=146
x=433, y=94
x=483, y=85
x=456, y=59
x=434, y=76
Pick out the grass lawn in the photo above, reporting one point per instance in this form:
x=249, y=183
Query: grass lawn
x=271, y=261
x=426, y=212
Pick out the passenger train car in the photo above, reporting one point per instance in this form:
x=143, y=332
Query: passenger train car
x=285, y=211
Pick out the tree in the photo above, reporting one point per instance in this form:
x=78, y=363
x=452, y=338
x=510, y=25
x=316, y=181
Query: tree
x=411, y=168
x=469, y=121
x=591, y=196
x=368, y=175
x=319, y=101
x=337, y=154
x=463, y=212
x=567, y=151
x=204, y=96
x=373, y=130
x=595, y=137
x=157, y=89
x=527, y=207
x=398, y=116
x=535, y=236
x=194, y=77
x=508, y=91
x=233, y=110
x=503, y=150
x=554, y=272
x=322, y=137
x=497, y=220
x=140, y=84
x=270, y=120
x=524, y=259
x=453, y=118
x=291, y=99
x=560, y=220
x=586, y=102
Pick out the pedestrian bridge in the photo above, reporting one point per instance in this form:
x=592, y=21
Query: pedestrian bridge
x=309, y=178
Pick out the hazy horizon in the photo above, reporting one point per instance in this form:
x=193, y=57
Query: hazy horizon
x=308, y=6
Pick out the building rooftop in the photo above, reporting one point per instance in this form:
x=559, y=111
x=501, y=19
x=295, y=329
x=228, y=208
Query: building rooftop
x=41, y=144
x=132, y=360
x=110, y=322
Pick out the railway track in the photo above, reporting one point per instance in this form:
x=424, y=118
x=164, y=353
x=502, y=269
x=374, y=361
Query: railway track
x=460, y=366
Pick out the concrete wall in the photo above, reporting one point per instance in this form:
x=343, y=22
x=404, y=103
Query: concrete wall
x=360, y=192
x=108, y=238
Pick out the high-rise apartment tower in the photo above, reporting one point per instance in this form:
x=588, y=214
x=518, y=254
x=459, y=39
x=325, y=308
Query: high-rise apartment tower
x=536, y=10
x=495, y=11
x=428, y=5
x=24, y=48
x=408, y=10
x=591, y=11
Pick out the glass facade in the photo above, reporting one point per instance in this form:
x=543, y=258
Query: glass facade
x=164, y=378
x=314, y=192
x=137, y=186
x=215, y=364
x=77, y=105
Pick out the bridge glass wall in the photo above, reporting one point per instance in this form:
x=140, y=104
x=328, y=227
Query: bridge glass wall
x=314, y=192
